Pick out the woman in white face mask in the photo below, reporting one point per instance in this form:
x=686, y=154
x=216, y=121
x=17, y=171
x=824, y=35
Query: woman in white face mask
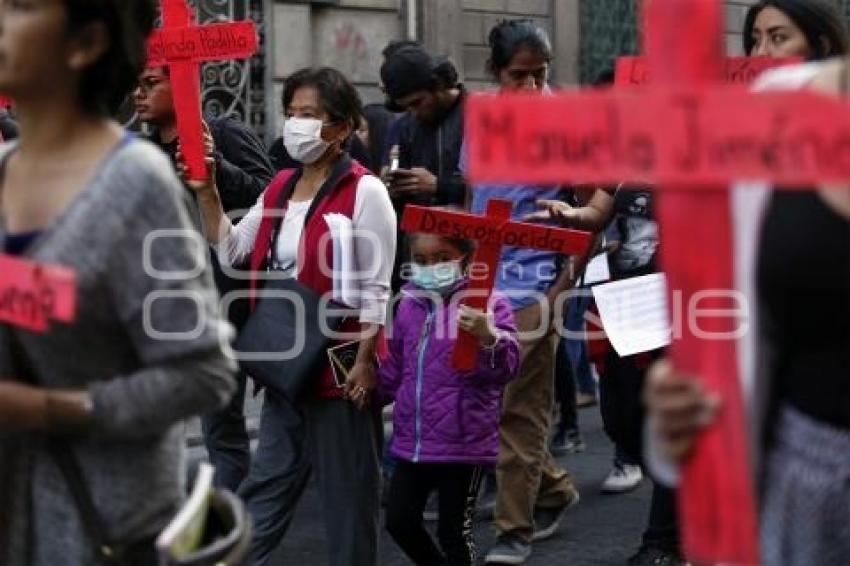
x=331, y=428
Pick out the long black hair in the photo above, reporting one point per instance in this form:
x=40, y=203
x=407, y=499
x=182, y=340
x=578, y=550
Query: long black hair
x=509, y=37
x=105, y=84
x=819, y=20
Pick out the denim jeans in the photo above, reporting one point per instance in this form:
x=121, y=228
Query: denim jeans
x=577, y=349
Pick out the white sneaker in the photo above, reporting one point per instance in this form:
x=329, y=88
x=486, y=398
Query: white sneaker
x=623, y=478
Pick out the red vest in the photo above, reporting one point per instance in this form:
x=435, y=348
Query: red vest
x=340, y=201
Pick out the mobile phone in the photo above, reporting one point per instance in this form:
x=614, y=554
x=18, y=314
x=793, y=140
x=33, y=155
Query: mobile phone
x=395, y=153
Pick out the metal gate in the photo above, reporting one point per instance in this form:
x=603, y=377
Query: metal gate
x=231, y=88
x=608, y=30
x=236, y=88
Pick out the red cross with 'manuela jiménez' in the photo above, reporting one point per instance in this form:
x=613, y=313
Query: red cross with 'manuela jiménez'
x=182, y=46
x=690, y=136
x=491, y=232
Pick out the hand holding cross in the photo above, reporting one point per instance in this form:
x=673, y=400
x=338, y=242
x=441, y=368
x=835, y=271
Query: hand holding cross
x=182, y=46
x=492, y=231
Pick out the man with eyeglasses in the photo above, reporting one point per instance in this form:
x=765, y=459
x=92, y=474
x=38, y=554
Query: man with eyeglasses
x=242, y=172
x=242, y=168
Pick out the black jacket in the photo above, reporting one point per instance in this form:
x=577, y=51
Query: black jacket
x=243, y=172
x=436, y=148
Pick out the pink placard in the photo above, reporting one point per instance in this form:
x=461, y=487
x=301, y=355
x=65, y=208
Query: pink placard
x=32, y=295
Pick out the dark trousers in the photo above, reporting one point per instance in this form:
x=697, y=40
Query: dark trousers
x=565, y=389
x=142, y=553
x=337, y=443
x=662, y=530
x=457, y=490
x=621, y=389
x=620, y=392
x=226, y=439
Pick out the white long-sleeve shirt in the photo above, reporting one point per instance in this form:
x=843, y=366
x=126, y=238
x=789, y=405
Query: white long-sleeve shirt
x=373, y=216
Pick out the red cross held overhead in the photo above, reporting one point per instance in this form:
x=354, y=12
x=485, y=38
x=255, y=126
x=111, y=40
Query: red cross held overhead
x=492, y=231
x=182, y=46
x=690, y=136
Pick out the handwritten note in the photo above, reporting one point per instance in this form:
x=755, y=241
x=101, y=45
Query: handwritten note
x=32, y=294
x=597, y=270
x=634, y=313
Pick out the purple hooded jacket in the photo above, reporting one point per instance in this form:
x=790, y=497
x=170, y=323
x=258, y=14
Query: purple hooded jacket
x=442, y=414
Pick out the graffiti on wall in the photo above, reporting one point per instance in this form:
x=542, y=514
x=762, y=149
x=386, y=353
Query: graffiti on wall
x=351, y=50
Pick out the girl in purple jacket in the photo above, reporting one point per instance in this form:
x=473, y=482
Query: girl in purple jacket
x=445, y=421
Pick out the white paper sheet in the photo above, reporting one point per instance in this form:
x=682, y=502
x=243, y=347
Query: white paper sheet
x=597, y=270
x=345, y=286
x=634, y=313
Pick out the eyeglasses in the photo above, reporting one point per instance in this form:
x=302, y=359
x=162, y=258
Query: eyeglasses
x=148, y=84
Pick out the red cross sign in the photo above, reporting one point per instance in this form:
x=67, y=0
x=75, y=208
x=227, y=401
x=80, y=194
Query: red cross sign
x=675, y=136
x=492, y=231
x=690, y=136
x=182, y=46
x=634, y=71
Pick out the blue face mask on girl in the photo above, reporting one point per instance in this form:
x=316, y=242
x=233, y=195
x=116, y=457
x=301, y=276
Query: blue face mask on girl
x=439, y=277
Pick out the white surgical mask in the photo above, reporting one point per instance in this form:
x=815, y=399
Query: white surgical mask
x=302, y=138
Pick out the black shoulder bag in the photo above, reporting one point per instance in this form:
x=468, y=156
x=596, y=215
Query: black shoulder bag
x=283, y=344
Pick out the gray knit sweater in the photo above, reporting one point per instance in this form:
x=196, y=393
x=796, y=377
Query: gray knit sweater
x=143, y=385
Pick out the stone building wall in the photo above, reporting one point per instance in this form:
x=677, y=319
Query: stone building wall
x=350, y=34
